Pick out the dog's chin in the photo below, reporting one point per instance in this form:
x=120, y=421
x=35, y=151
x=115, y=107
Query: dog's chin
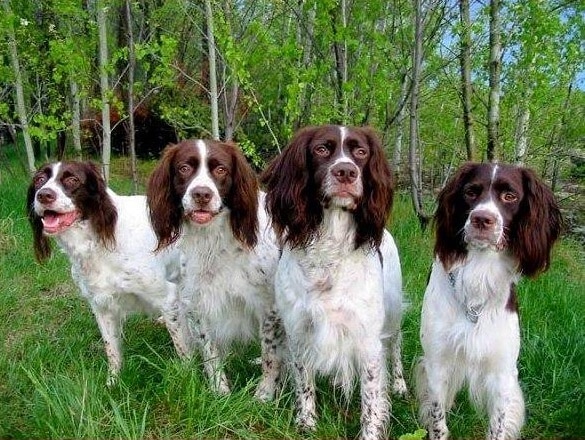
x=201, y=217
x=57, y=222
x=343, y=200
x=482, y=240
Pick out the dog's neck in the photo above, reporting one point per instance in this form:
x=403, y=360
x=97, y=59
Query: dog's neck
x=483, y=281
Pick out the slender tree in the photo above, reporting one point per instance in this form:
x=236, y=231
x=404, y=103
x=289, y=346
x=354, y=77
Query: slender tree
x=131, y=69
x=213, y=97
x=493, y=128
x=466, y=89
x=105, y=88
x=414, y=153
x=19, y=87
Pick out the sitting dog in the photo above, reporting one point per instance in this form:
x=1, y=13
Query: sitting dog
x=338, y=283
x=204, y=196
x=494, y=223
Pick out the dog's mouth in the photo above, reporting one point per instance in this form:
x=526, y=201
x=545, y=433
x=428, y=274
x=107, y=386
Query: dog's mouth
x=55, y=222
x=201, y=217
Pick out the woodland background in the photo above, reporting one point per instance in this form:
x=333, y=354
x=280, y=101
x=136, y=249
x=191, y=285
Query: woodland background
x=443, y=81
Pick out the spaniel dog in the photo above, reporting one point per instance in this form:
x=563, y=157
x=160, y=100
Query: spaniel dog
x=338, y=282
x=110, y=244
x=494, y=223
x=204, y=196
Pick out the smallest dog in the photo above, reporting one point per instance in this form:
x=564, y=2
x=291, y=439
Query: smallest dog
x=494, y=223
x=110, y=244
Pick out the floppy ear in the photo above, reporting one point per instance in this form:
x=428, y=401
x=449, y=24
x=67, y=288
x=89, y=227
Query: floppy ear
x=373, y=211
x=450, y=218
x=41, y=243
x=164, y=203
x=99, y=208
x=538, y=227
x=243, y=199
x=291, y=199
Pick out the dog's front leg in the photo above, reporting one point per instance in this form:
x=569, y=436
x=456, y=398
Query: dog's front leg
x=272, y=344
x=375, y=404
x=110, y=325
x=506, y=406
x=212, y=360
x=306, y=418
x=175, y=319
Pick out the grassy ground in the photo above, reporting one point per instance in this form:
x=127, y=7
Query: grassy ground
x=53, y=368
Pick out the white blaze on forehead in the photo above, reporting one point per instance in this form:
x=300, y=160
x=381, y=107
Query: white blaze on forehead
x=494, y=172
x=342, y=157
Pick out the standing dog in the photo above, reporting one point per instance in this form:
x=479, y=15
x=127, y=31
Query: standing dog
x=338, y=283
x=110, y=244
x=204, y=195
x=494, y=223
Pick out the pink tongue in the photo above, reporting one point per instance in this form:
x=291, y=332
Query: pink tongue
x=201, y=217
x=53, y=222
x=50, y=220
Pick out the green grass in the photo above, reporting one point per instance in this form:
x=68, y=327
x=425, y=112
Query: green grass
x=53, y=368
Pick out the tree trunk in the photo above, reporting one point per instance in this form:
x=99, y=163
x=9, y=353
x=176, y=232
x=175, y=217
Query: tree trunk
x=20, y=102
x=131, y=68
x=493, y=129
x=466, y=90
x=76, y=118
x=521, y=134
x=340, y=53
x=414, y=155
x=212, y=72
x=397, y=155
x=105, y=90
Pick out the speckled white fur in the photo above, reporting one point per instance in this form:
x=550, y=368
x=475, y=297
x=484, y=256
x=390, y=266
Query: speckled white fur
x=340, y=307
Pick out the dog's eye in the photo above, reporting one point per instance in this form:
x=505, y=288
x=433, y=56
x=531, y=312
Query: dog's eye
x=185, y=169
x=40, y=180
x=322, y=150
x=471, y=193
x=360, y=153
x=508, y=197
x=220, y=171
x=71, y=181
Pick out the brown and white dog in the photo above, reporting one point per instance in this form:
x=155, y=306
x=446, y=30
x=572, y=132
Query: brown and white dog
x=338, y=283
x=204, y=196
x=109, y=242
x=494, y=223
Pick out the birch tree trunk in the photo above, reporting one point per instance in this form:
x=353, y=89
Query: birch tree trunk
x=105, y=89
x=131, y=69
x=212, y=72
x=397, y=155
x=76, y=117
x=414, y=154
x=466, y=90
x=521, y=133
x=18, y=85
x=493, y=128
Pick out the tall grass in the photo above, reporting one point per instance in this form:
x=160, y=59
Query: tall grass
x=53, y=368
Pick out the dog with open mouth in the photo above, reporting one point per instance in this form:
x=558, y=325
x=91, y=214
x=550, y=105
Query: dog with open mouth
x=110, y=244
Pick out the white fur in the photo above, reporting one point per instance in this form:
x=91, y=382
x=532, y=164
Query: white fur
x=340, y=307
x=129, y=278
x=459, y=351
